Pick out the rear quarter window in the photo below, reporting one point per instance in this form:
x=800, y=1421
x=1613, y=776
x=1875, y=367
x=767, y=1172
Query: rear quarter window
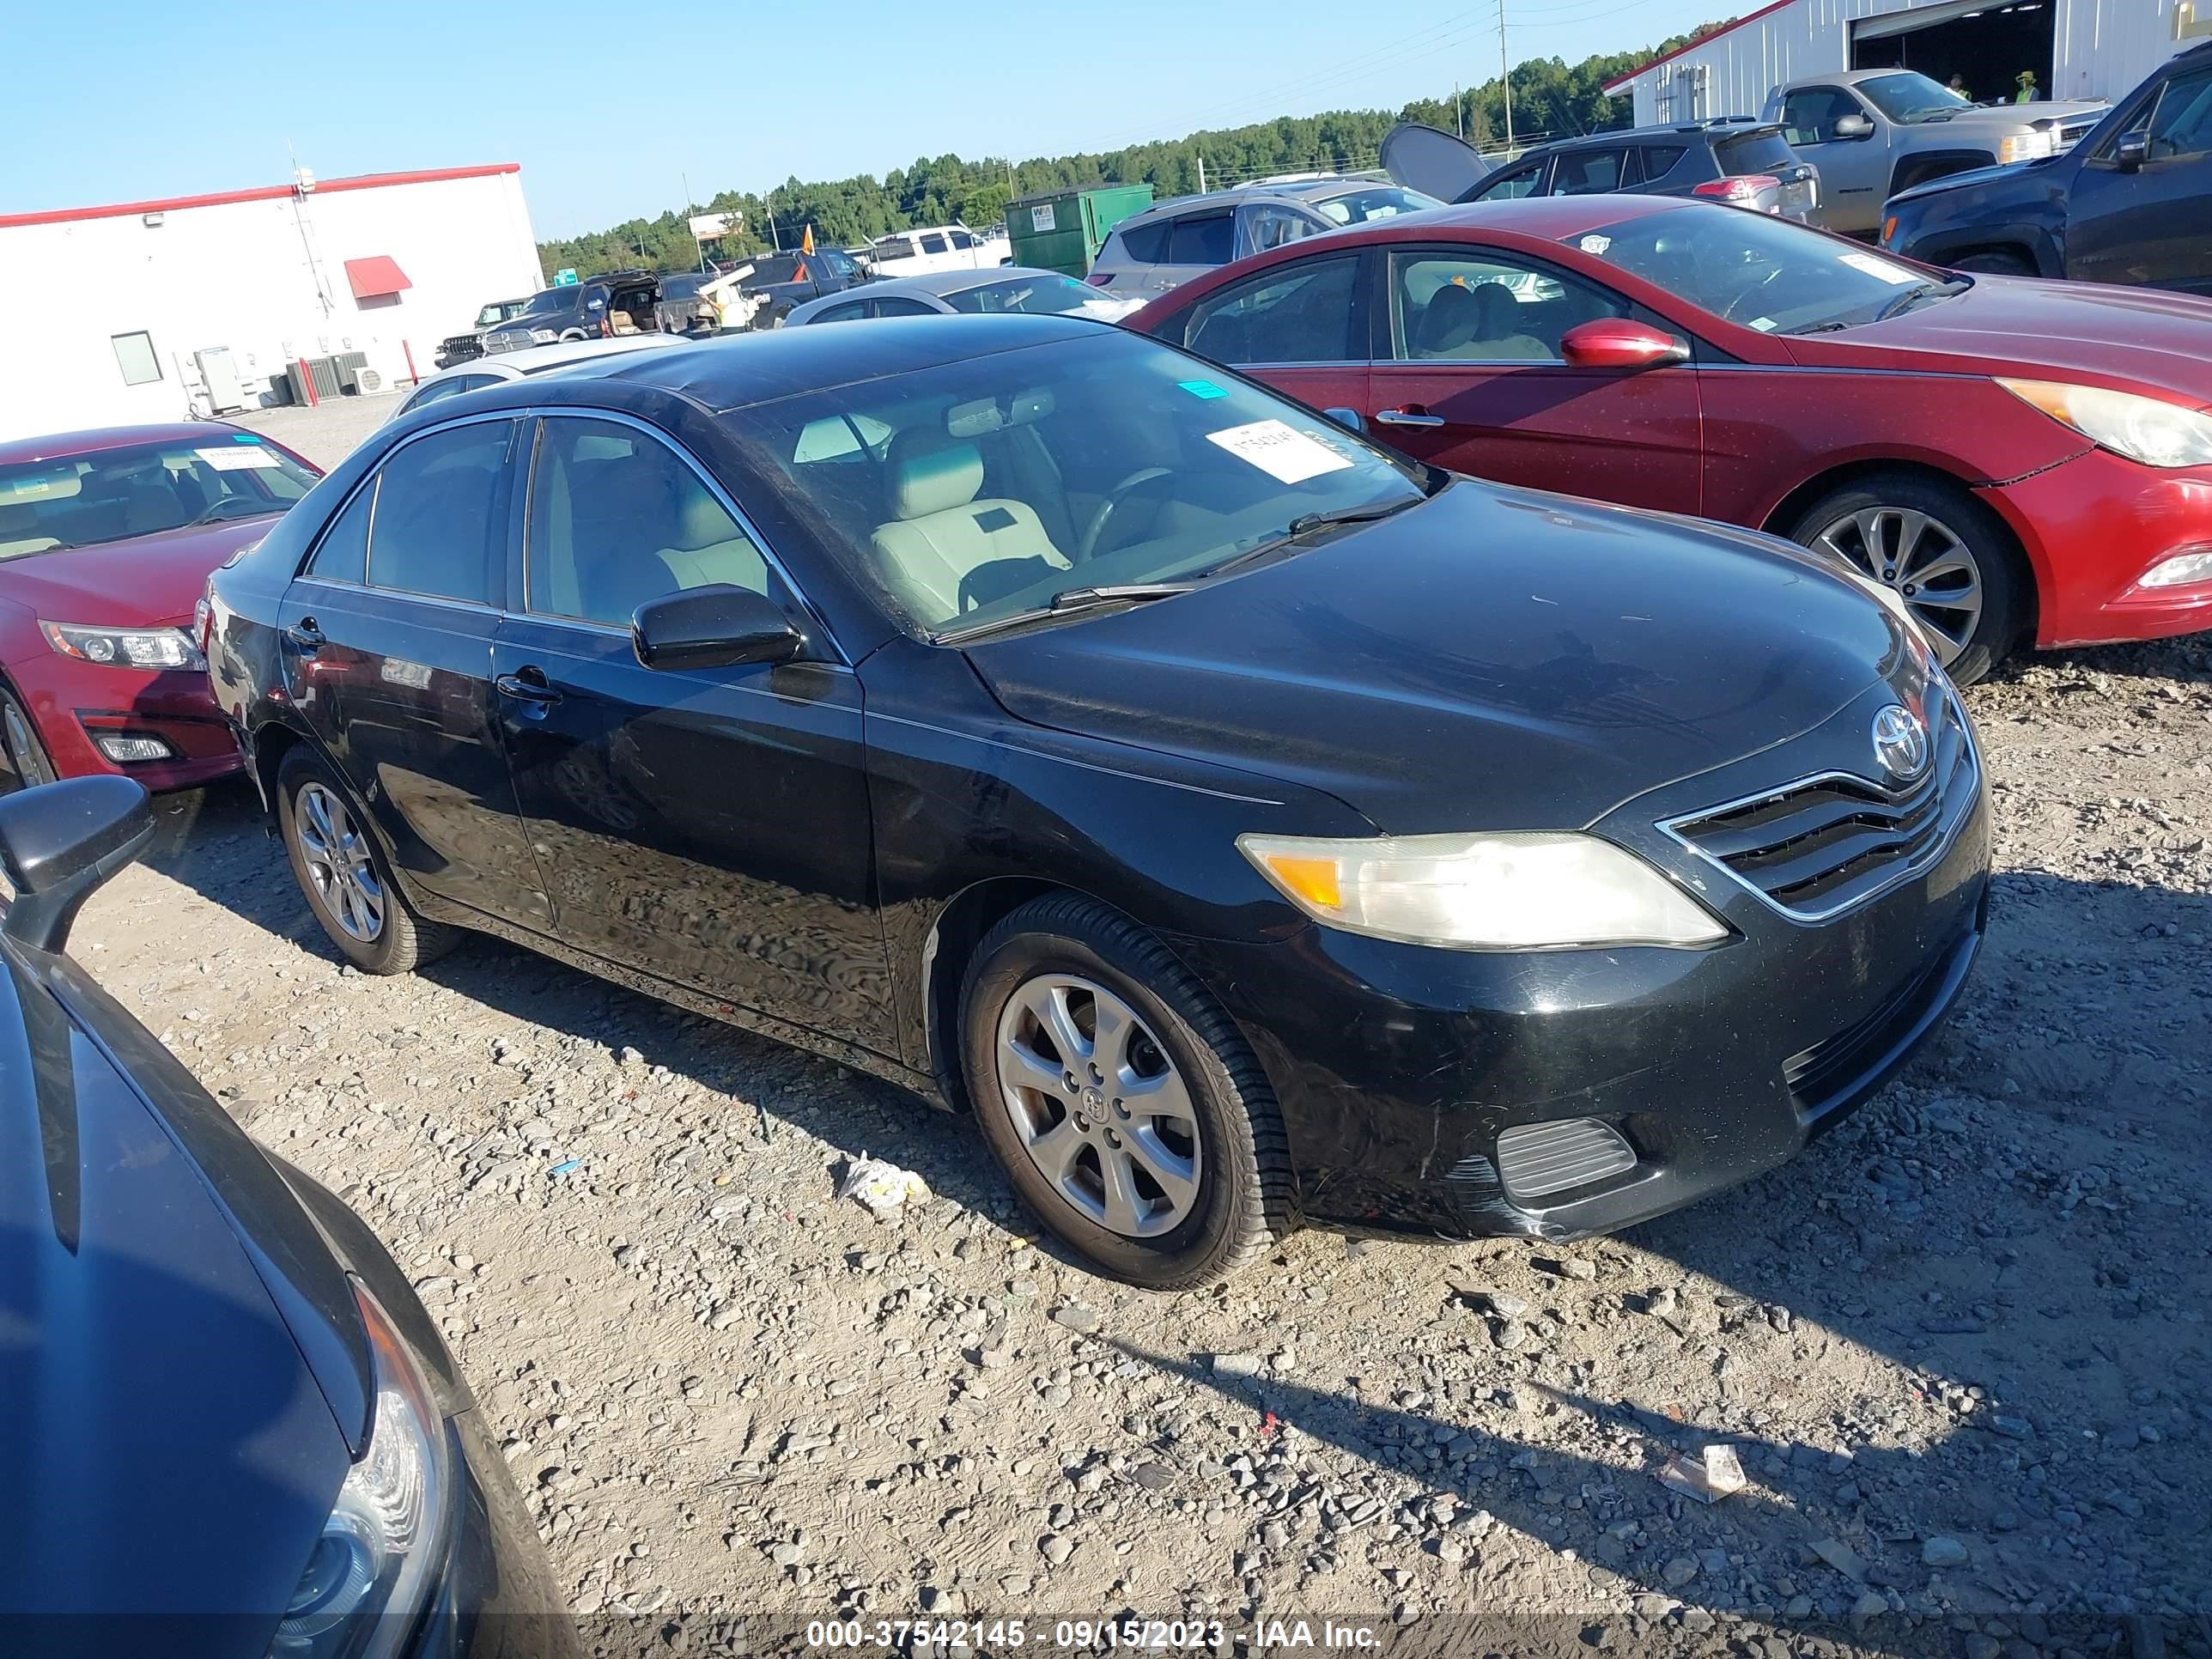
x=1203, y=238
x=1659, y=160
x=1757, y=152
x=1144, y=245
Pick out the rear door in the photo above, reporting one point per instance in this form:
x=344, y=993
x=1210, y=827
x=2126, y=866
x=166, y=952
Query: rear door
x=1468, y=375
x=710, y=827
x=1302, y=327
x=388, y=647
x=2153, y=225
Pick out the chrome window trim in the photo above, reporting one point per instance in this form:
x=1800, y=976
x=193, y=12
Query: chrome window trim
x=722, y=497
x=1946, y=838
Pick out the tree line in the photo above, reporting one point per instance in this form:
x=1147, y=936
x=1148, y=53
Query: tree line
x=1550, y=98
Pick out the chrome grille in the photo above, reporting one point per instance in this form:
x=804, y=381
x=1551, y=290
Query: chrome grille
x=2071, y=133
x=1818, y=847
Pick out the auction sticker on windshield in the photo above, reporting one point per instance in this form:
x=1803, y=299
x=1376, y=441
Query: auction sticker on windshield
x=236, y=461
x=1896, y=274
x=1279, y=451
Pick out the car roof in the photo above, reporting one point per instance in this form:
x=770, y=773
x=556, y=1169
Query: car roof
x=533, y=360
x=948, y=281
x=755, y=367
x=1297, y=190
x=57, y=445
x=1547, y=217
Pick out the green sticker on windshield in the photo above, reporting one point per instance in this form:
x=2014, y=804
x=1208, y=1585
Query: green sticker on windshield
x=1201, y=388
x=246, y=437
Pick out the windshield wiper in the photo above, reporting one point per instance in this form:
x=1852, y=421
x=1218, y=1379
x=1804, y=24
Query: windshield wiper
x=1817, y=328
x=221, y=509
x=1911, y=297
x=1068, y=599
x=1306, y=523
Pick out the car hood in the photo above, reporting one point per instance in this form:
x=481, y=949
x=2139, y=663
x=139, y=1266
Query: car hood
x=144, y=580
x=1494, y=659
x=2099, y=332
x=1996, y=178
x=165, y=1448
x=2009, y=115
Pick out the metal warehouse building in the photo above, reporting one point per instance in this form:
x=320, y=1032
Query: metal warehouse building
x=2077, y=48
x=147, y=311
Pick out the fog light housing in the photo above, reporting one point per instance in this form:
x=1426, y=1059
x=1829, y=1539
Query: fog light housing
x=2180, y=569
x=124, y=750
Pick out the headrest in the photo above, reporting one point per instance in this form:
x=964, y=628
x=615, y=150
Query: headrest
x=933, y=475
x=1495, y=304
x=18, y=519
x=701, y=522
x=1451, y=318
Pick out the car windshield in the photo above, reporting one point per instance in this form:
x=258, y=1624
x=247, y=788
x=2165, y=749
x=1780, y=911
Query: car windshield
x=143, y=490
x=1758, y=271
x=1042, y=295
x=977, y=490
x=681, y=288
x=498, y=312
x=1909, y=96
x=1357, y=207
x=553, y=299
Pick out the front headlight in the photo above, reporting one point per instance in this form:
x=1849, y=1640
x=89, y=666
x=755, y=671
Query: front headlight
x=1515, y=891
x=2023, y=147
x=2146, y=429
x=377, y=1559
x=544, y=336
x=124, y=647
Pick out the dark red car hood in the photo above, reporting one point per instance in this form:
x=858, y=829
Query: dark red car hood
x=145, y=580
x=2125, y=338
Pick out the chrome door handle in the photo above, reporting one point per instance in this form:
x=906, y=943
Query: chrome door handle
x=306, y=635
x=1399, y=417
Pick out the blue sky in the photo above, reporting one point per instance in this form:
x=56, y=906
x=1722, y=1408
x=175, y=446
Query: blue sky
x=146, y=97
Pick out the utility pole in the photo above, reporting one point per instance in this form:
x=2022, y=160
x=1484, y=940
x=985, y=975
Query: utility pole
x=1505, y=64
x=1459, y=113
x=1201, y=175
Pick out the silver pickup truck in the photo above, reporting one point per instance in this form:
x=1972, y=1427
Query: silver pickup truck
x=1874, y=132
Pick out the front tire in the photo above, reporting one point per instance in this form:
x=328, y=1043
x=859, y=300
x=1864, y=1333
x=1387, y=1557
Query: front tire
x=1946, y=554
x=1120, y=1099
x=22, y=749
x=1997, y=262
x=347, y=885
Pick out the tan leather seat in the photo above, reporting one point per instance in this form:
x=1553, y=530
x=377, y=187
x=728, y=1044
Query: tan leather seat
x=940, y=532
x=710, y=549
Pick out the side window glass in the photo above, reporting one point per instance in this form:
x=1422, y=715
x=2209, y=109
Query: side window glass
x=440, y=525
x=617, y=518
x=1511, y=185
x=934, y=243
x=898, y=306
x=1659, y=160
x=342, y=554
x=841, y=313
x=1809, y=114
x=961, y=238
x=1300, y=315
x=1203, y=238
x=2182, y=124
x=1267, y=225
x=1144, y=245
x=1486, y=308
x=1589, y=172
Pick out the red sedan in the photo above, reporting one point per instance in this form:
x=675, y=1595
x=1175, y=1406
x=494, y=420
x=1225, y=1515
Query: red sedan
x=106, y=539
x=2019, y=460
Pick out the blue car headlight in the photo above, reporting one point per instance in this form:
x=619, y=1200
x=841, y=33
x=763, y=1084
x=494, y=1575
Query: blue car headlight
x=378, y=1557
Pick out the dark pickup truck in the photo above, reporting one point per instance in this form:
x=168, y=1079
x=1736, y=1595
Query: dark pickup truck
x=780, y=281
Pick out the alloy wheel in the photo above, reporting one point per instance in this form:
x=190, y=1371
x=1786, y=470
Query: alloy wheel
x=1098, y=1105
x=1926, y=562
x=337, y=862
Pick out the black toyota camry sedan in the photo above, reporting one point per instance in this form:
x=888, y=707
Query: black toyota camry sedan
x=1247, y=824
x=228, y=1427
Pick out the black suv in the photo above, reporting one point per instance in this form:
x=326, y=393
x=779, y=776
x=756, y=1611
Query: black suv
x=780, y=281
x=2131, y=202
x=613, y=302
x=1736, y=159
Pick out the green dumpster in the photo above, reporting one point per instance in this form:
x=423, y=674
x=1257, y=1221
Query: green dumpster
x=1063, y=229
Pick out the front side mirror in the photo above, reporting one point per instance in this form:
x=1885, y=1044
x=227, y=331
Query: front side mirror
x=1617, y=342
x=714, y=627
x=1852, y=126
x=1350, y=419
x=2131, y=152
x=59, y=842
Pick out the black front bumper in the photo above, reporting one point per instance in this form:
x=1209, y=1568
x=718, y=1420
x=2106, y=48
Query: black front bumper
x=1398, y=1067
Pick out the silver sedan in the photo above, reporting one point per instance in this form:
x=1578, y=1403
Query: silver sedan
x=1000, y=288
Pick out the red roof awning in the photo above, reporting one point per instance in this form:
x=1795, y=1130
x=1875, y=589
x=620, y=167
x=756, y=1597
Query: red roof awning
x=377, y=275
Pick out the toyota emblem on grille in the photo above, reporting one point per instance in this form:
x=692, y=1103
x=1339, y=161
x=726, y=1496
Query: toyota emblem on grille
x=1901, y=742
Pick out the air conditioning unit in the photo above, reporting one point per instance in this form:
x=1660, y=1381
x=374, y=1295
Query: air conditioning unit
x=366, y=380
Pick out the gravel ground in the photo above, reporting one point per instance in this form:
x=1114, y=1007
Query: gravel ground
x=325, y=433
x=1959, y=1347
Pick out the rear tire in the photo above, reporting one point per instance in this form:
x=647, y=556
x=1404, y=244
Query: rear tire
x=1946, y=554
x=1997, y=262
x=1144, y=1136
x=343, y=873
x=22, y=749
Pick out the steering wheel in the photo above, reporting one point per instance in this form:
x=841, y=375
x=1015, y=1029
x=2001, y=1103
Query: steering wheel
x=1114, y=498
x=1751, y=293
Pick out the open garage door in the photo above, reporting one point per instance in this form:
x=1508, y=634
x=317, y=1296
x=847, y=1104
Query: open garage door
x=1986, y=43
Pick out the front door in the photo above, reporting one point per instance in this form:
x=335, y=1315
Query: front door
x=1854, y=172
x=1475, y=381
x=1302, y=327
x=2153, y=225
x=388, y=650
x=710, y=826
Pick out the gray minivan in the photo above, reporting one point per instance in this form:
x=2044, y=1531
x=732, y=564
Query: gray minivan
x=1167, y=245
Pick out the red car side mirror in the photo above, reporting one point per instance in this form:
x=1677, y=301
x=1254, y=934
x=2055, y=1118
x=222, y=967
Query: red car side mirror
x=1617, y=342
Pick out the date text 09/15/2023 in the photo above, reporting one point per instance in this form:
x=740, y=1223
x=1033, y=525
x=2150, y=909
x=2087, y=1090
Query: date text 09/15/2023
x=986, y=1635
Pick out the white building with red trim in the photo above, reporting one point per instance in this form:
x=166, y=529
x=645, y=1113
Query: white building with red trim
x=2078, y=49
x=104, y=311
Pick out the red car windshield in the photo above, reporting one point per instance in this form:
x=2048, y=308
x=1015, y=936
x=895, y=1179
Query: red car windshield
x=143, y=490
x=1758, y=271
